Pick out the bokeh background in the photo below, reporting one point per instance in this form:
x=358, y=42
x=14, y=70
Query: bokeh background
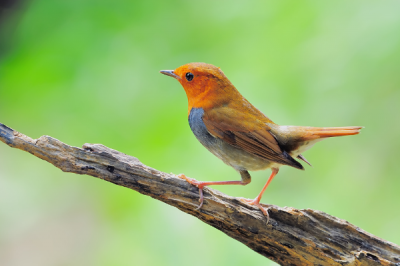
x=87, y=71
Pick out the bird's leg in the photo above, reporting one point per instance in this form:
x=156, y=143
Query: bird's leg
x=246, y=178
x=256, y=201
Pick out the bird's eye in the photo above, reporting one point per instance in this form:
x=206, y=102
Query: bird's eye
x=189, y=76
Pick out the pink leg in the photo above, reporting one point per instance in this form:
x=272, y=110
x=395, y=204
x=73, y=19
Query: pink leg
x=256, y=201
x=202, y=184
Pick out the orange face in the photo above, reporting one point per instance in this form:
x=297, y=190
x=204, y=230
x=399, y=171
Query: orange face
x=203, y=83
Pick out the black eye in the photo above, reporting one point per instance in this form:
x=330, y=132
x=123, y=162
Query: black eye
x=189, y=76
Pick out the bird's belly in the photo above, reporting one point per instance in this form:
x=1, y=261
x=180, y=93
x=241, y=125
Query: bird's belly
x=237, y=158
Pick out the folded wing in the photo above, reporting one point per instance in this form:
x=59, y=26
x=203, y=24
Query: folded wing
x=246, y=132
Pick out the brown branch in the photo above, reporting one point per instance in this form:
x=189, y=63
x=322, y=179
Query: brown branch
x=292, y=237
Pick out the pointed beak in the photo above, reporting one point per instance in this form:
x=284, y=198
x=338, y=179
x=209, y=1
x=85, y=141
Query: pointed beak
x=170, y=73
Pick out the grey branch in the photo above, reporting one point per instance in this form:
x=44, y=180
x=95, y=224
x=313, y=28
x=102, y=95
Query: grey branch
x=292, y=237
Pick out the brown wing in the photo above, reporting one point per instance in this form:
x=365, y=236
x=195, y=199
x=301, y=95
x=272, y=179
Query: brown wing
x=247, y=132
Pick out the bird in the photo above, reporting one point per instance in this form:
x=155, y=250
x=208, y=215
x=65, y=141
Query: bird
x=236, y=132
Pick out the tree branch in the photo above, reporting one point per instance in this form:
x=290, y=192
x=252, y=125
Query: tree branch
x=292, y=237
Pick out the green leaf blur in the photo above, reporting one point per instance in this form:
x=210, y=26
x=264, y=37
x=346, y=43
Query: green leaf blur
x=88, y=71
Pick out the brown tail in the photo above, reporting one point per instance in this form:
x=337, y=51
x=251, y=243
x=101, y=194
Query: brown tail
x=296, y=139
x=326, y=132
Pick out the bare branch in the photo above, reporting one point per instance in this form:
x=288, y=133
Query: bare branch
x=292, y=237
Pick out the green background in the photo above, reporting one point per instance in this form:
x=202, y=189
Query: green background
x=88, y=71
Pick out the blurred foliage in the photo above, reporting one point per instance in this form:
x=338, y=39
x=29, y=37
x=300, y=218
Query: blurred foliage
x=87, y=71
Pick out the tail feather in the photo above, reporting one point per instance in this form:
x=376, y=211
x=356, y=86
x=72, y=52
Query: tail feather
x=326, y=132
x=297, y=139
x=311, y=133
x=301, y=157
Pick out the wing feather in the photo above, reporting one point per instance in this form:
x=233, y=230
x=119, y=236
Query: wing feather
x=248, y=133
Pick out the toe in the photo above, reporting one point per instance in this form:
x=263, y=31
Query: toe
x=256, y=203
x=263, y=210
x=244, y=200
x=188, y=179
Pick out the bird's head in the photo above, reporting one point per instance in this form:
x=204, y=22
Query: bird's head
x=202, y=83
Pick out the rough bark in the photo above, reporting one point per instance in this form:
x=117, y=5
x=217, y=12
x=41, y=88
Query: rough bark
x=292, y=237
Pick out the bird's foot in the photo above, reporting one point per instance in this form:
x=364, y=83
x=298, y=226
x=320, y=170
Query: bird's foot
x=196, y=183
x=191, y=181
x=256, y=202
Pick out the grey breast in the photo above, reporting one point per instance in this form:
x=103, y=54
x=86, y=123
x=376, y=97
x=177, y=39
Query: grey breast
x=237, y=158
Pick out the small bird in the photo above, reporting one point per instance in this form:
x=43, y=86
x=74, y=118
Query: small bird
x=239, y=134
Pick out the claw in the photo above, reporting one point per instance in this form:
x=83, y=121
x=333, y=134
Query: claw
x=256, y=203
x=201, y=199
x=196, y=183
